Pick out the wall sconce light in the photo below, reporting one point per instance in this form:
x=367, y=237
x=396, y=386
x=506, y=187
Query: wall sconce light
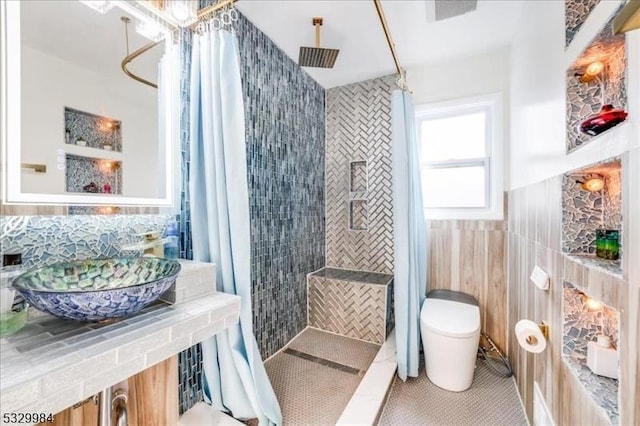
x=100, y=6
x=592, y=304
x=113, y=125
x=591, y=182
x=593, y=70
x=109, y=166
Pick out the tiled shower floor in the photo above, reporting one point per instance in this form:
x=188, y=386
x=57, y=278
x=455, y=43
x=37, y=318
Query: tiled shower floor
x=316, y=375
x=492, y=400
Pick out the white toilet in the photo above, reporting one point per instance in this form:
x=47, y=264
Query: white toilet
x=450, y=329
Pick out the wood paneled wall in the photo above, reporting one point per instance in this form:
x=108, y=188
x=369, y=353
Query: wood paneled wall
x=469, y=256
x=534, y=238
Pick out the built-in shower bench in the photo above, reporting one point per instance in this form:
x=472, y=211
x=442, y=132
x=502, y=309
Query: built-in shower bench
x=355, y=304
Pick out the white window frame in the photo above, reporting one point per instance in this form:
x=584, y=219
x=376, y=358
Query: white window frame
x=493, y=162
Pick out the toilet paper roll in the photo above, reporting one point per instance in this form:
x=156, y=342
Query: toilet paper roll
x=530, y=337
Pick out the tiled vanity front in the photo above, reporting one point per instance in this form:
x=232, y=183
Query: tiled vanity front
x=51, y=363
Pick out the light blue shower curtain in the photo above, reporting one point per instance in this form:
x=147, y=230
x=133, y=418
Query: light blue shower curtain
x=409, y=234
x=234, y=376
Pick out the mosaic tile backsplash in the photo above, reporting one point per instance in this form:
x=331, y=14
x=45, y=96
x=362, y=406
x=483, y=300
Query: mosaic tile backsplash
x=51, y=239
x=95, y=130
x=359, y=129
x=582, y=325
x=586, y=99
x=84, y=174
x=575, y=13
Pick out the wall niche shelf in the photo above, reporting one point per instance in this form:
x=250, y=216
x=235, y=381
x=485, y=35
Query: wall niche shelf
x=584, y=319
x=596, y=98
x=611, y=267
x=93, y=175
x=85, y=129
x=358, y=195
x=585, y=211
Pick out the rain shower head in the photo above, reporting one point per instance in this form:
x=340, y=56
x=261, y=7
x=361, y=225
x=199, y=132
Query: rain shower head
x=317, y=57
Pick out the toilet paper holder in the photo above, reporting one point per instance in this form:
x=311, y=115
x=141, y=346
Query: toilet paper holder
x=544, y=329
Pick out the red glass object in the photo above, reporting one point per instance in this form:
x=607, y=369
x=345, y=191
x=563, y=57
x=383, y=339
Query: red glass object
x=604, y=120
x=107, y=188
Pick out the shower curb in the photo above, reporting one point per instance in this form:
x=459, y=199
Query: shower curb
x=366, y=404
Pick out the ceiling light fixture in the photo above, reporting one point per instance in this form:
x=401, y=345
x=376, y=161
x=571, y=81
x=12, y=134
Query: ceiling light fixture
x=593, y=70
x=185, y=12
x=149, y=30
x=100, y=6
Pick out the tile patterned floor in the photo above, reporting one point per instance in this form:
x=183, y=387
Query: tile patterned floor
x=310, y=392
x=340, y=349
x=492, y=401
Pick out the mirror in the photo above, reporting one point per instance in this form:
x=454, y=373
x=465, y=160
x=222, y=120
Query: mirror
x=76, y=129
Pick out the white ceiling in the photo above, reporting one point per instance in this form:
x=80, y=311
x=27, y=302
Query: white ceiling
x=75, y=33
x=353, y=27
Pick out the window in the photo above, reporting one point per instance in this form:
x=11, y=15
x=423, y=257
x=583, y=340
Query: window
x=460, y=145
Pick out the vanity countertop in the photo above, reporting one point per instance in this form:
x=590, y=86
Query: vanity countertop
x=51, y=363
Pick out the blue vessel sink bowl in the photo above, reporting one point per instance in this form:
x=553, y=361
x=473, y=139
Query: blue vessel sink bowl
x=95, y=290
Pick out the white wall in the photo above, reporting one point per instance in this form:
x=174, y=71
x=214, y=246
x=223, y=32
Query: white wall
x=472, y=76
x=48, y=85
x=538, y=67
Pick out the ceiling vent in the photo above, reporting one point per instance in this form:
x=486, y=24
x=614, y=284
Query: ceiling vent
x=438, y=10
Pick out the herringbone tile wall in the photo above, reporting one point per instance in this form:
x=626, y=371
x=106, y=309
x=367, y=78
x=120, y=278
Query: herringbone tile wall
x=351, y=308
x=359, y=128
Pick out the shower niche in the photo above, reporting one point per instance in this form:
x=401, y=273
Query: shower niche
x=358, y=196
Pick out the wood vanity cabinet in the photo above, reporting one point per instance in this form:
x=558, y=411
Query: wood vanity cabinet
x=84, y=414
x=153, y=395
x=152, y=399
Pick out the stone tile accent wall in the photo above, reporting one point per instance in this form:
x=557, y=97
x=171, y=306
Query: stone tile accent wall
x=351, y=303
x=575, y=13
x=612, y=202
x=582, y=214
x=359, y=128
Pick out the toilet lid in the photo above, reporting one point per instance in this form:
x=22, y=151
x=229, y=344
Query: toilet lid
x=450, y=318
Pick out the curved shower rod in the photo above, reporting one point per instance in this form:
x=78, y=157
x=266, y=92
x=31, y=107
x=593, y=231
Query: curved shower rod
x=130, y=57
x=202, y=13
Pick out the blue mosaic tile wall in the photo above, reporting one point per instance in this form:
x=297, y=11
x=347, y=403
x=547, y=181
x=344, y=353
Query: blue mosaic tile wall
x=285, y=119
x=284, y=115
